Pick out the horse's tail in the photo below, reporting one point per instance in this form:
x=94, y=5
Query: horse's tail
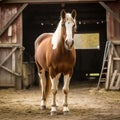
x=48, y=85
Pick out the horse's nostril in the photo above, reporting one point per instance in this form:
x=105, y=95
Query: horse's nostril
x=69, y=43
x=72, y=43
x=66, y=42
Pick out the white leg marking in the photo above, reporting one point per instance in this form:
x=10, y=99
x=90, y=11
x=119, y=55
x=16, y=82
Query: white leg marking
x=42, y=80
x=53, y=109
x=55, y=82
x=66, y=83
x=42, y=102
x=65, y=109
x=66, y=90
x=54, y=89
x=43, y=86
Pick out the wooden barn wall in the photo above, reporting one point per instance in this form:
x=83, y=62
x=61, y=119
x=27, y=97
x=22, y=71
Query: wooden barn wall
x=113, y=26
x=113, y=34
x=12, y=36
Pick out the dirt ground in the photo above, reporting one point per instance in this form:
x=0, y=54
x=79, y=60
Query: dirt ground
x=85, y=103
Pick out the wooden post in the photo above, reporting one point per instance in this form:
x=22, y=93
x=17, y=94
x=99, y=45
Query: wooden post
x=118, y=82
x=18, y=82
x=108, y=73
x=113, y=79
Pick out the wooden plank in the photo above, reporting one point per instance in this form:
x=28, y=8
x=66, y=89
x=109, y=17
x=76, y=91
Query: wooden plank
x=10, y=31
x=6, y=85
x=15, y=27
x=115, y=51
x=110, y=26
x=8, y=56
x=10, y=71
x=18, y=82
x=13, y=19
x=115, y=42
x=118, y=82
x=112, y=64
x=0, y=20
x=13, y=68
x=117, y=59
x=51, y=1
x=113, y=79
x=116, y=16
x=108, y=72
x=10, y=45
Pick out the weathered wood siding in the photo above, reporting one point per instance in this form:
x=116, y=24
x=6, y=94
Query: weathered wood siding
x=113, y=26
x=113, y=34
x=12, y=36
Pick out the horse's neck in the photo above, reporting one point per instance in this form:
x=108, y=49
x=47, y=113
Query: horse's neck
x=57, y=36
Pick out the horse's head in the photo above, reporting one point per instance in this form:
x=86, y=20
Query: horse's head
x=68, y=22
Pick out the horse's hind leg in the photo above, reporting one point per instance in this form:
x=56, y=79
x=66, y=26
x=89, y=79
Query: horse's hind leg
x=42, y=79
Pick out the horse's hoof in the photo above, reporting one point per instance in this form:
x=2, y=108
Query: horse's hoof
x=65, y=112
x=53, y=113
x=43, y=107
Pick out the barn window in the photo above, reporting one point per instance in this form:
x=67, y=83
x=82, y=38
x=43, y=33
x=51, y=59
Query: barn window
x=87, y=41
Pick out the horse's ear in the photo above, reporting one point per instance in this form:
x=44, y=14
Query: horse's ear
x=74, y=13
x=62, y=14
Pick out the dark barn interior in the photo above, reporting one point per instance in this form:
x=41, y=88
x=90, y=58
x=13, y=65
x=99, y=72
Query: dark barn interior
x=91, y=18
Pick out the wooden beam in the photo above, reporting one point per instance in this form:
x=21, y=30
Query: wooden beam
x=108, y=72
x=51, y=1
x=115, y=42
x=10, y=45
x=113, y=79
x=10, y=71
x=118, y=82
x=13, y=19
x=110, y=11
x=9, y=55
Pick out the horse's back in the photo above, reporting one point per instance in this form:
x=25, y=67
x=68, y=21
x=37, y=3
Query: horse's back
x=41, y=38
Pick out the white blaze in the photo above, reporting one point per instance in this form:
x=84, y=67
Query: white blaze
x=69, y=25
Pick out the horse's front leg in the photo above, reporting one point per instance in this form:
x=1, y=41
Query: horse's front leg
x=54, y=89
x=65, y=91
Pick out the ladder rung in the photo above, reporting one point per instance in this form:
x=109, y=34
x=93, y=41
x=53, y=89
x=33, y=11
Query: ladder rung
x=105, y=68
x=116, y=58
x=106, y=60
x=102, y=79
x=104, y=73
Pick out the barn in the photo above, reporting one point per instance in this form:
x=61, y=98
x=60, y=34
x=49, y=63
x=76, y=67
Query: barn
x=21, y=21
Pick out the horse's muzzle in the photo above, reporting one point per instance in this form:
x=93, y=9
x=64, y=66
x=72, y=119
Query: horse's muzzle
x=69, y=44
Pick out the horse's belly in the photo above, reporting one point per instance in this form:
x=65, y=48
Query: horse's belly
x=63, y=68
x=41, y=58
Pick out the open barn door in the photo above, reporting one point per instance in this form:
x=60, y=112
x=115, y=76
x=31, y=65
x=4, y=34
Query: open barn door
x=10, y=46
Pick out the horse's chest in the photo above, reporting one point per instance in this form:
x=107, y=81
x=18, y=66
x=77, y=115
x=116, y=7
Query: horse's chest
x=63, y=61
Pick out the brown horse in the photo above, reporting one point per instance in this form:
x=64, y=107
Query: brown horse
x=55, y=55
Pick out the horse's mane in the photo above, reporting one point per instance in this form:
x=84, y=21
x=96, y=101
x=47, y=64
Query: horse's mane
x=41, y=38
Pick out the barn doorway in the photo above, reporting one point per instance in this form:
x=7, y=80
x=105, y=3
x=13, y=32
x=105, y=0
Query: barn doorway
x=91, y=19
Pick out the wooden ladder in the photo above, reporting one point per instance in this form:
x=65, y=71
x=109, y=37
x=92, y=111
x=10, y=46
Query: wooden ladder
x=103, y=74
